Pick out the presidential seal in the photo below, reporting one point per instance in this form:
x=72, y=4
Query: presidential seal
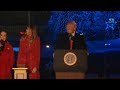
x=70, y=58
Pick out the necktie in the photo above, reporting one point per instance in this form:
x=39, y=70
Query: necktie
x=71, y=44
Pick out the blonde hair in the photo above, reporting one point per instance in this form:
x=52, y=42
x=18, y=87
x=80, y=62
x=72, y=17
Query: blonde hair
x=34, y=31
x=71, y=22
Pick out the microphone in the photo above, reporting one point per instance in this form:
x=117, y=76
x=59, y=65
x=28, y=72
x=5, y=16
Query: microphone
x=2, y=44
x=70, y=35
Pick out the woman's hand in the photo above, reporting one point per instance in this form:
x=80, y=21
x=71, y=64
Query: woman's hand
x=34, y=70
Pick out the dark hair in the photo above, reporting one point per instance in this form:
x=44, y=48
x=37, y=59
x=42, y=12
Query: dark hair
x=2, y=42
x=3, y=45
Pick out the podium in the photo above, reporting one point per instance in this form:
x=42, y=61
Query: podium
x=20, y=73
x=70, y=64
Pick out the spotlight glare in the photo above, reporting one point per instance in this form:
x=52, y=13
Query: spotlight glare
x=47, y=46
x=105, y=44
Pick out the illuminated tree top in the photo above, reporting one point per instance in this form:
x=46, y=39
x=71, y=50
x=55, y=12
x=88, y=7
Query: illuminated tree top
x=91, y=23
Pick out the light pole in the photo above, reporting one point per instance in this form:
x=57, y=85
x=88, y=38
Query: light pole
x=28, y=18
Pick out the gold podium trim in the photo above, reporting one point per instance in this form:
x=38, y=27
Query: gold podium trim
x=20, y=73
x=19, y=68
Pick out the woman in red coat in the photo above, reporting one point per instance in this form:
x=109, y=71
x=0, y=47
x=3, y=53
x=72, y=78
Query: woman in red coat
x=6, y=57
x=29, y=53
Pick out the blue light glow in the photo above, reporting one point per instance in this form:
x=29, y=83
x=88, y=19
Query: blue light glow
x=16, y=49
x=93, y=24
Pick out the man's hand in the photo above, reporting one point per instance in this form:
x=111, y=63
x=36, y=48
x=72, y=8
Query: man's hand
x=53, y=55
x=34, y=70
x=87, y=53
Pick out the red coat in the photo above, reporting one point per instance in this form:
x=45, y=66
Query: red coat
x=29, y=54
x=6, y=61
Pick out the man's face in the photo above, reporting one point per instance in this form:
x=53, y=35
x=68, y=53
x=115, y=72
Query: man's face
x=3, y=36
x=70, y=28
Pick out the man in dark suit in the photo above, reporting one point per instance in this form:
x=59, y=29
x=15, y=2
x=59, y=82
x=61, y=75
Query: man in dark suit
x=71, y=41
x=78, y=40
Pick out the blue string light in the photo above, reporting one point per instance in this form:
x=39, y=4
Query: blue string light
x=90, y=23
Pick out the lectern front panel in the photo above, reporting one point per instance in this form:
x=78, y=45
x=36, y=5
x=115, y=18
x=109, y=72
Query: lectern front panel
x=60, y=65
